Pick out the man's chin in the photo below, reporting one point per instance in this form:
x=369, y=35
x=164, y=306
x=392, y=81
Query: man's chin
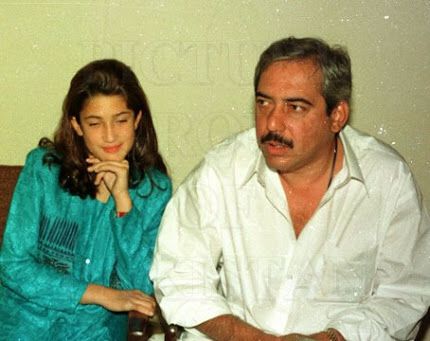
x=277, y=164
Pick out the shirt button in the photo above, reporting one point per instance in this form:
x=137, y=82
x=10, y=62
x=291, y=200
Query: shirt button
x=87, y=261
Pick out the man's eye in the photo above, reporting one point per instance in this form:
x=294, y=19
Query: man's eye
x=93, y=124
x=296, y=108
x=261, y=101
x=123, y=120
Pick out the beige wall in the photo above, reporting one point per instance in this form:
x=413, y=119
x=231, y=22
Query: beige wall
x=195, y=60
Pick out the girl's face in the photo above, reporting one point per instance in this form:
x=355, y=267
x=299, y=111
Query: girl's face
x=107, y=126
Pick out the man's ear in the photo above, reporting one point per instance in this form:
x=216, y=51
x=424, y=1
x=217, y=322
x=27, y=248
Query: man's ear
x=76, y=126
x=137, y=119
x=339, y=116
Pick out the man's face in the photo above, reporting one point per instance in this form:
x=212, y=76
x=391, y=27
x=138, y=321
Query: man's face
x=293, y=128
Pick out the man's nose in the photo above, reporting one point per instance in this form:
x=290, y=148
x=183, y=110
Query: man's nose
x=276, y=118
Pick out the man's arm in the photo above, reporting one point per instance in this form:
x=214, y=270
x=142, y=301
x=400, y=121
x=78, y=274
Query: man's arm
x=187, y=252
x=401, y=294
x=229, y=327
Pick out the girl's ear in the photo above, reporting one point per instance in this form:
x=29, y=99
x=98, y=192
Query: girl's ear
x=76, y=126
x=137, y=119
x=339, y=116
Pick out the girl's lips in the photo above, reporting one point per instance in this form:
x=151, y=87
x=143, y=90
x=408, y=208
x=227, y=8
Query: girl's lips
x=112, y=149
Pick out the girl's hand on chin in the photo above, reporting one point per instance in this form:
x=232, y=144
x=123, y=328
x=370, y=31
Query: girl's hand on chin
x=114, y=175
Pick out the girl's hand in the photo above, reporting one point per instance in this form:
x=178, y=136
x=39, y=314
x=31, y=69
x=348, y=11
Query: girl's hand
x=113, y=175
x=119, y=300
x=126, y=300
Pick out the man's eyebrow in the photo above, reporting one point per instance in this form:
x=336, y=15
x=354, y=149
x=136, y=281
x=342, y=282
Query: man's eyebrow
x=260, y=94
x=288, y=99
x=298, y=99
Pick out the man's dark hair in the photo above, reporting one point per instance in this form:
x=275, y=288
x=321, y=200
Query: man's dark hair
x=334, y=63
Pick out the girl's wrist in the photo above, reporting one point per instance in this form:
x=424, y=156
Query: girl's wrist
x=123, y=205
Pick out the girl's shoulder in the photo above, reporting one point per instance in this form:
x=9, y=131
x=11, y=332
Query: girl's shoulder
x=159, y=177
x=38, y=160
x=155, y=183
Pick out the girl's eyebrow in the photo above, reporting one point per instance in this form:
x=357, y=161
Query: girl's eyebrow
x=124, y=112
x=95, y=116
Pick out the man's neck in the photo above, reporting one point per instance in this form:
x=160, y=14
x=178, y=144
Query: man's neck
x=319, y=174
x=305, y=189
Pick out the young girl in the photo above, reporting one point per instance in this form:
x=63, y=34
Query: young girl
x=81, y=229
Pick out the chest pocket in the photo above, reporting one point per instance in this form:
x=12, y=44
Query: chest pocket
x=56, y=243
x=344, y=277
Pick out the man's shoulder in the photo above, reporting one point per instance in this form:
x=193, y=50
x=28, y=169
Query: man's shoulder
x=229, y=161
x=376, y=157
x=242, y=144
x=238, y=150
x=365, y=145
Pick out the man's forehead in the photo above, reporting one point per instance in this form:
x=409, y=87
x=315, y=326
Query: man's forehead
x=308, y=65
x=305, y=69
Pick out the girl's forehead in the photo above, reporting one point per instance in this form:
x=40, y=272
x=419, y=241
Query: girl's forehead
x=104, y=105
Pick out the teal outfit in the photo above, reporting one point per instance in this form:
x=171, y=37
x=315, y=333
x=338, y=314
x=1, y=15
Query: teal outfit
x=55, y=244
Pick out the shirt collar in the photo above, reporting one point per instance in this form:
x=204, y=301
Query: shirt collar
x=256, y=167
x=259, y=166
x=350, y=158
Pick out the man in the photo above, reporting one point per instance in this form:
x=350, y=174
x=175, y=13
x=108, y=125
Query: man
x=302, y=228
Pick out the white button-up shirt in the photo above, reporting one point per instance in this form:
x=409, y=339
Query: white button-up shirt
x=360, y=265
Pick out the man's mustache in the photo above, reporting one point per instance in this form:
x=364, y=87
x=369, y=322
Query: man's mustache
x=271, y=136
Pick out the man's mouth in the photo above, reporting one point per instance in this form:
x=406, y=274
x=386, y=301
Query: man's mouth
x=275, y=148
x=276, y=141
x=277, y=145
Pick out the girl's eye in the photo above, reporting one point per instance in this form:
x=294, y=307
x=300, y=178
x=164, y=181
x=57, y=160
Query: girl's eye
x=124, y=120
x=93, y=124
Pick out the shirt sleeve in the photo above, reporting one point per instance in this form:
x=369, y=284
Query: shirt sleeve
x=21, y=270
x=401, y=292
x=135, y=234
x=187, y=253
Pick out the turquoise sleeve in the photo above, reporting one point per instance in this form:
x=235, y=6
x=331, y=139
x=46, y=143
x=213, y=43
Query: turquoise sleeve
x=21, y=270
x=135, y=235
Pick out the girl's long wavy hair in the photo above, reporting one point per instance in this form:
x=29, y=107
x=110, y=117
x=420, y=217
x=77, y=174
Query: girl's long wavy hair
x=102, y=77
